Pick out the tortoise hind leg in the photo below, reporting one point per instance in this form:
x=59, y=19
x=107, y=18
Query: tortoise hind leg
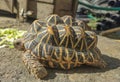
x=97, y=63
x=34, y=66
x=95, y=54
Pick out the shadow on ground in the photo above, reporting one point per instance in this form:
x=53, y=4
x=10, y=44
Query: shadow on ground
x=112, y=63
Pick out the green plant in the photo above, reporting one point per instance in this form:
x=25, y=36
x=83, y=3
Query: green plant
x=8, y=35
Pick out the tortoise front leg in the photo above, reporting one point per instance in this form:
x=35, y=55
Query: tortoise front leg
x=33, y=65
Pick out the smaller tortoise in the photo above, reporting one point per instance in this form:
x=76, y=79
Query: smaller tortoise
x=58, y=43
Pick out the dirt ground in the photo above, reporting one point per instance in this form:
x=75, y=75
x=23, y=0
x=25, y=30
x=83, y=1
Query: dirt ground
x=12, y=68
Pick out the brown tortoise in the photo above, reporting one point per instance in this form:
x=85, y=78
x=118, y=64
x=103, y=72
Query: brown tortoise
x=58, y=43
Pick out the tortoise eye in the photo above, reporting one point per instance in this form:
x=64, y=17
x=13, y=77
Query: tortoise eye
x=18, y=43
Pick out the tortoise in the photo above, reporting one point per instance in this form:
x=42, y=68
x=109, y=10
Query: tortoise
x=58, y=42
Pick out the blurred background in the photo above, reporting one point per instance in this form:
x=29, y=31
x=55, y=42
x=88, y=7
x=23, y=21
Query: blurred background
x=102, y=16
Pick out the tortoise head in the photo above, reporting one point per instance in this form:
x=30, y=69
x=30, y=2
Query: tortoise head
x=18, y=44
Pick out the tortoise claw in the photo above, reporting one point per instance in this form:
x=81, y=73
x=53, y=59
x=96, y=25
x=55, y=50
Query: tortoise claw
x=40, y=73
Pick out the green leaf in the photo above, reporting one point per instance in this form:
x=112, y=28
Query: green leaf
x=8, y=35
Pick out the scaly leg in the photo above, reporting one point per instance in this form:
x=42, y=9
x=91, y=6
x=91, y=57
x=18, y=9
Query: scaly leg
x=33, y=65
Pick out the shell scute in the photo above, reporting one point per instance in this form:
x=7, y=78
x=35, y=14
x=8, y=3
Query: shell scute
x=62, y=42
